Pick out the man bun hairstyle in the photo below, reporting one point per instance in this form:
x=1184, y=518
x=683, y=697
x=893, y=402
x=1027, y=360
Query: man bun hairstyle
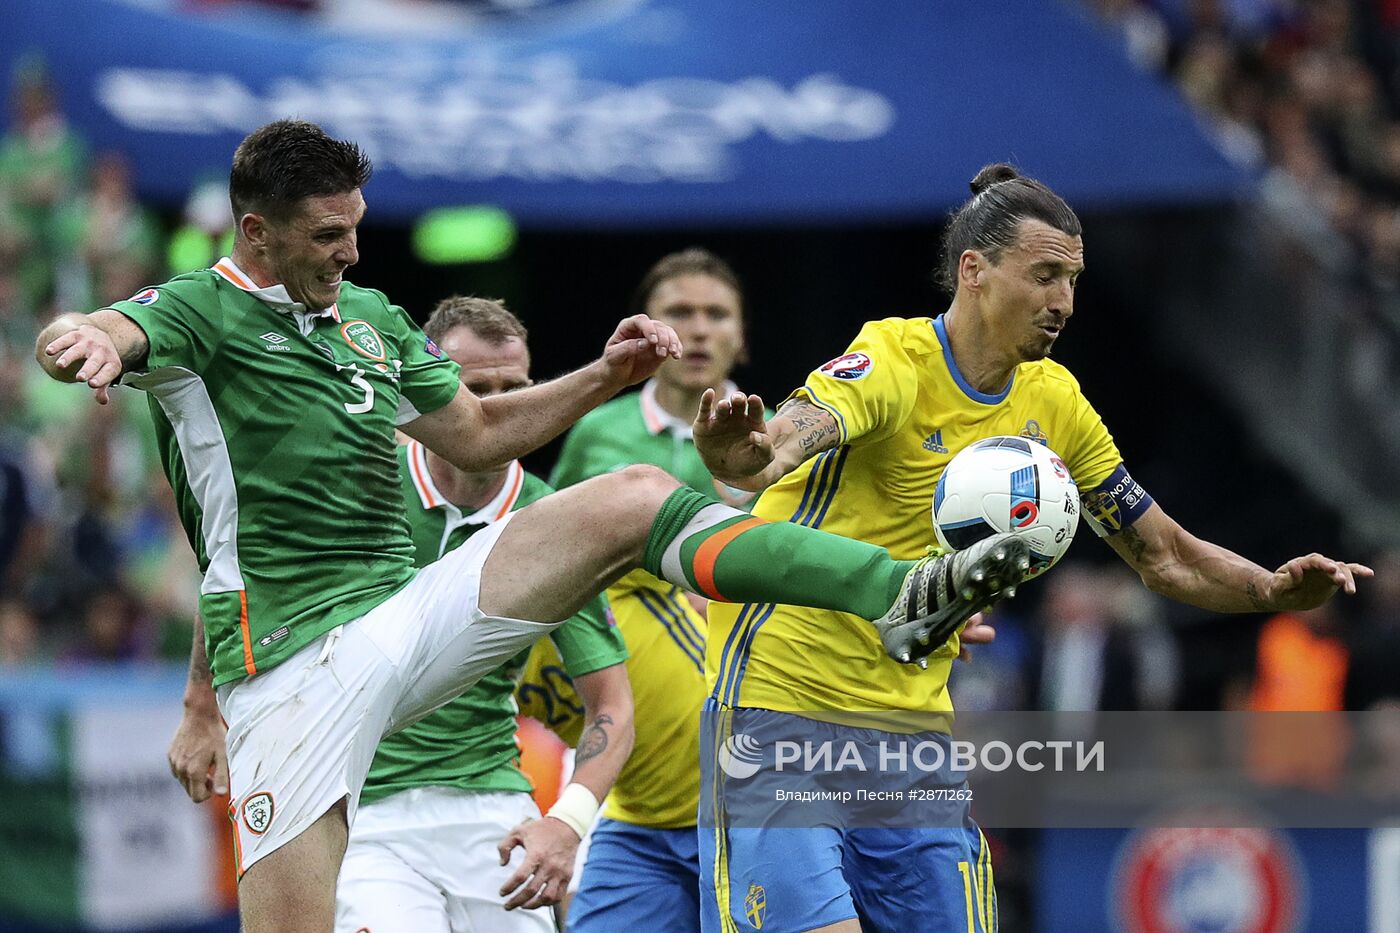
x=1001, y=198
x=487, y=318
x=279, y=164
x=693, y=261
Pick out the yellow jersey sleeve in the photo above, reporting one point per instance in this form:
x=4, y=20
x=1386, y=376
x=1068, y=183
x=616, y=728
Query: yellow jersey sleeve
x=872, y=388
x=1088, y=451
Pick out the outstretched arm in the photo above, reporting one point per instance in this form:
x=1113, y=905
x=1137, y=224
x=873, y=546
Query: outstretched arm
x=93, y=348
x=551, y=843
x=479, y=434
x=741, y=450
x=1175, y=563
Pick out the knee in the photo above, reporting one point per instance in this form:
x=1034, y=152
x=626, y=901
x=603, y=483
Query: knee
x=640, y=489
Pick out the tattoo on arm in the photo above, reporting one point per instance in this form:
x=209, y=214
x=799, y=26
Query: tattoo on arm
x=813, y=427
x=1136, y=543
x=199, y=661
x=594, y=740
x=1251, y=589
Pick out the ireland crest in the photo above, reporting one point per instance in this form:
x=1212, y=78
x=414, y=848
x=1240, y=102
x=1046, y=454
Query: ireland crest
x=257, y=813
x=364, y=338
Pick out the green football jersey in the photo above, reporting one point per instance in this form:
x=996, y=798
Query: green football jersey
x=276, y=431
x=635, y=429
x=470, y=742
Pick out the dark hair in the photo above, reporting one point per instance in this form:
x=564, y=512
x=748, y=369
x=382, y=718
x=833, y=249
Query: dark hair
x=279, y=164
x=485, y=317
x=692, y=261
x=1001, y=198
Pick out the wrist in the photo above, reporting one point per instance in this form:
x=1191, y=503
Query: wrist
x=201, y=701
x=576, y=808
x=603, y=382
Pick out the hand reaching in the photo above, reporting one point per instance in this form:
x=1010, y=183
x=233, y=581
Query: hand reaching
x=732, y=437
x=543, y=877
x=1308, y=582
x=978, y=631
x=638, y=348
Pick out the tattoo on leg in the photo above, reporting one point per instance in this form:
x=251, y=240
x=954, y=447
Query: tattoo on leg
x=594, y=740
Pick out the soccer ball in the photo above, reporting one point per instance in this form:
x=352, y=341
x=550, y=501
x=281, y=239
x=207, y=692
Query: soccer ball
x=1008, y=484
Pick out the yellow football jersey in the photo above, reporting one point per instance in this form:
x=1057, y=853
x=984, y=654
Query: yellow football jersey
x=659, y=787
x=904, y=410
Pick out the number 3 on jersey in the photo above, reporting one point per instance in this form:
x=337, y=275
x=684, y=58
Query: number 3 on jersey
x=358, y=380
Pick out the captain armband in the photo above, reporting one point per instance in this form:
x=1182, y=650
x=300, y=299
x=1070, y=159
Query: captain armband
x=1115, y=503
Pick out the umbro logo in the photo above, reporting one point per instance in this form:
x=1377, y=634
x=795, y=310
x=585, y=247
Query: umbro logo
x=274, y=342
x=270, y=337
x=935, y=442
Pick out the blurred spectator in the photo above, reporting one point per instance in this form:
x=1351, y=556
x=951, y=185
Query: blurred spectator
x=1373, y=678
x=19, y=633
x=17, y=523
x=110, y=629
x=1302, y=663
x=1099, y=647
x=110, y=244
x=1307, y=89
x=1143, y=30
x=1302, y=667
x=41, y=162
x=207, y=234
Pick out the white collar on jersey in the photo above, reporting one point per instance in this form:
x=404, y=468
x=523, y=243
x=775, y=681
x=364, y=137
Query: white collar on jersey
x=658, y=419
x=274, y=295
x=495, y=510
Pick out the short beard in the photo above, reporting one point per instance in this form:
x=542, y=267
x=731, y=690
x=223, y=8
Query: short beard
x=1034, y=352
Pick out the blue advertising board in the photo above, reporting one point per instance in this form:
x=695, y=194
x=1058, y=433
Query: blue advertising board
x=639, y=112
x=1221, y=880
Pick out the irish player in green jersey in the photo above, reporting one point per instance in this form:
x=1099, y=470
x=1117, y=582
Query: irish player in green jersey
x=276, y=386
x=443, y=793
x=643, y=866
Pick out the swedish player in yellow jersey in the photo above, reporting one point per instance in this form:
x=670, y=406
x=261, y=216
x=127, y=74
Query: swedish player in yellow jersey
x=857, y=450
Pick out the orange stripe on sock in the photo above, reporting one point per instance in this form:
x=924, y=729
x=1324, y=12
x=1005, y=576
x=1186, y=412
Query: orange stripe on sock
x=709, y=551
x=248, y=664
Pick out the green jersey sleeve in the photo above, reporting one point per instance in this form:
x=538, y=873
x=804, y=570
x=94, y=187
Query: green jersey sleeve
x=178, y=334
x=590, y=640
x=428, y=380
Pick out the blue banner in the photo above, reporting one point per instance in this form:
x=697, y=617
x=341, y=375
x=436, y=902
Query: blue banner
x=1174, y=880
x=637, y=112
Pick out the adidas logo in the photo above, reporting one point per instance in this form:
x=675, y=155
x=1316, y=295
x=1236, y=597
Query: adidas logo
x=935, y=442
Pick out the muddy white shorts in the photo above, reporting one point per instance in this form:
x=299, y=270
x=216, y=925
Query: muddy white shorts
x=424, y=861
x=301, y=736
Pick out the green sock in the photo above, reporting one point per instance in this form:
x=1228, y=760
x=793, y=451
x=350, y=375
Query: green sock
x=725, y=554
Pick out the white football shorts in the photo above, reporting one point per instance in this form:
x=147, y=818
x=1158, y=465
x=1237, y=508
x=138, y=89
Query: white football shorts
x=424, y=861
x=302, y=735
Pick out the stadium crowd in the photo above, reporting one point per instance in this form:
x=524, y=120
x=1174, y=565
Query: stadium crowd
x=1307, y=93
x=94, y=566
